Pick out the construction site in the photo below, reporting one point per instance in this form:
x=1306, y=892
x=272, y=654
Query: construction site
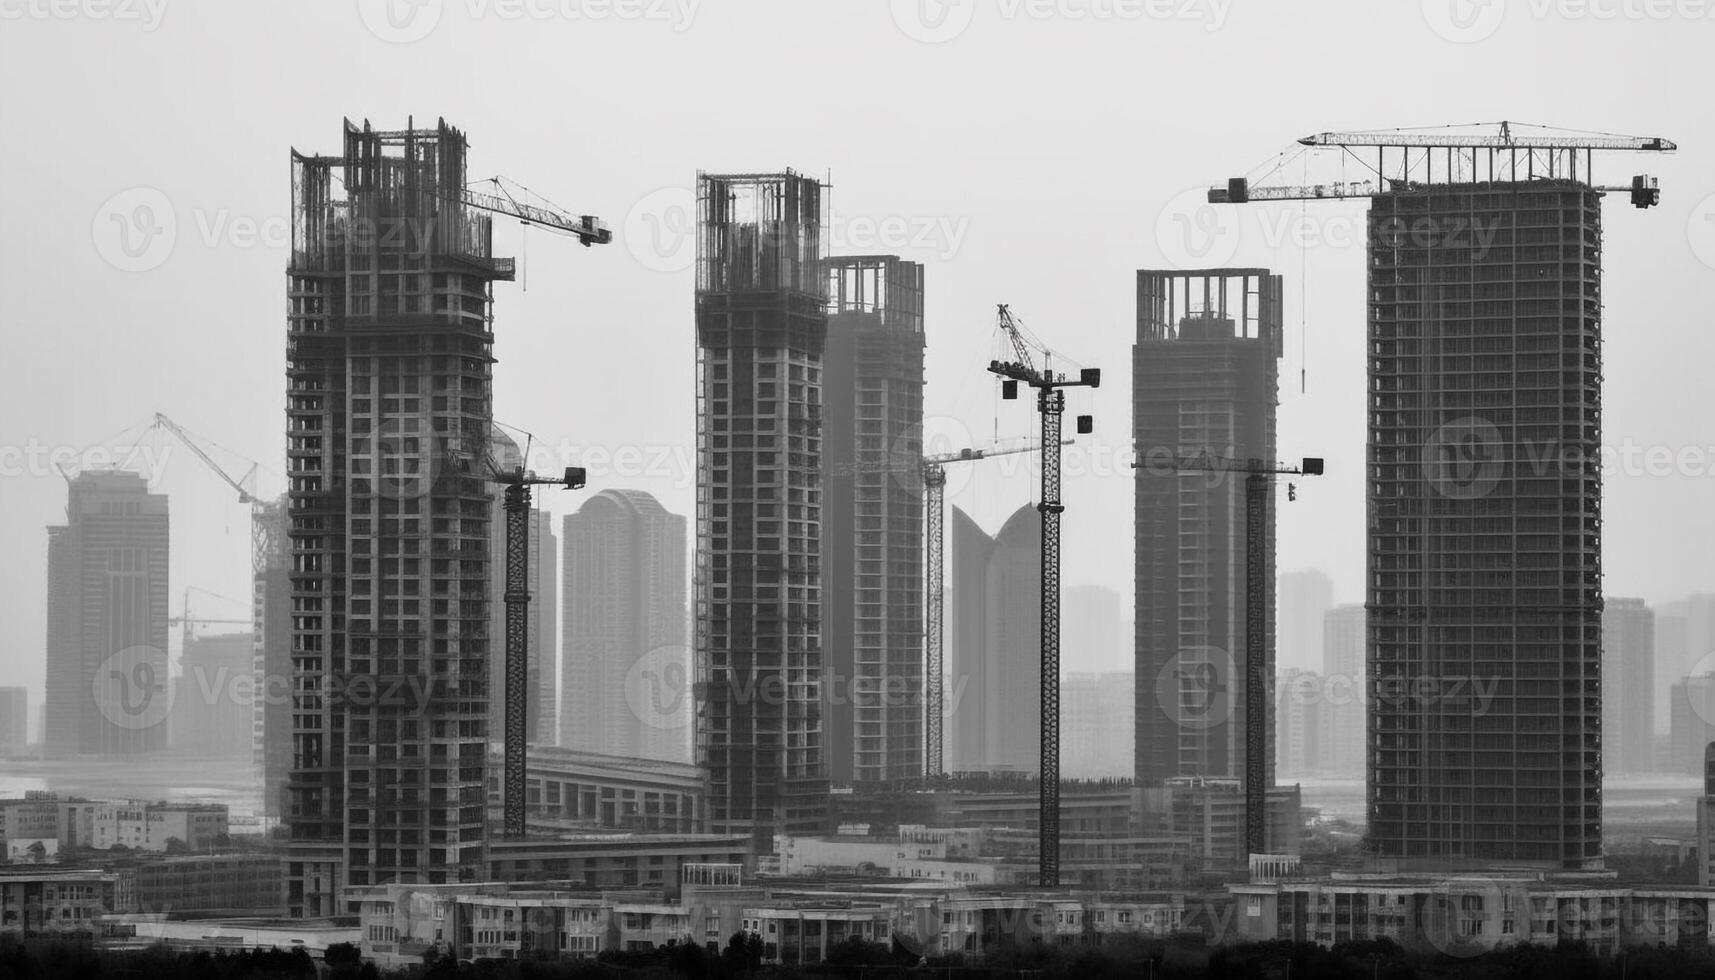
x=824, y=622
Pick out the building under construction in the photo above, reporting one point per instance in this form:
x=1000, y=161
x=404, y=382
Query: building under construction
x=389, y=355
x=762, y=325
x=271, y=622
x=1204, y=380
x=1485, y=494
x=872, y=520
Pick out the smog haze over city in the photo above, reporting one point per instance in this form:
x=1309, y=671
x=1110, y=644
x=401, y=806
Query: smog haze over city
x=644, y=458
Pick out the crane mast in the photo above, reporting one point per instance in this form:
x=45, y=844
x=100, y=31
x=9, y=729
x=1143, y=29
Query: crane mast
x=1259, y=475
x=1050, y=407
x=518, y=483
x=934, y=619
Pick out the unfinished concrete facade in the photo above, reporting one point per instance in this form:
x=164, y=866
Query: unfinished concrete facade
x=389, y=366
x=762, y=325
x=1205, y=379
x=1484, y=485
x=872, y=520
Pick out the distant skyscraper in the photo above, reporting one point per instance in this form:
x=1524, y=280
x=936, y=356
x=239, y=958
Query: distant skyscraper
x=214, y=705
x=107, y=681
x=390, y=351
x=1344, y=718
x=762, y=329
x=1628, y=687
x=994, y=644
x=872, y=520
x=1096, y=714
x=1300, y=723
x=626, y=677
x=1484, y=557
x=1091, y=631
x=543, y=633
x=1204, y=379
x=271, y=618
x=1684, y=636
x=14, y=718
x=1301, y=600
x=1692, y=722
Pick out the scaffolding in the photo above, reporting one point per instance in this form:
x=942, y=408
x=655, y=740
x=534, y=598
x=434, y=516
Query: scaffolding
x=389, y=402
x=761, y=334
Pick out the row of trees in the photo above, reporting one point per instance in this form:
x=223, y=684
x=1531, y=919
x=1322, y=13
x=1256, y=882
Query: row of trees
x=858, y=960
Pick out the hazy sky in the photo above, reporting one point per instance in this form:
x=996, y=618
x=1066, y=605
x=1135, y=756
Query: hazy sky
x=1034, y=153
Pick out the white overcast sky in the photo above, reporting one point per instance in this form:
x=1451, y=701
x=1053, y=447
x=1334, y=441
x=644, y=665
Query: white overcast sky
x=1028, y=153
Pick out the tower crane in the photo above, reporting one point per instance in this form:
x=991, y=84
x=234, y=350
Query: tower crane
x=934, y=609
x=586, y=228
x=518, y=483
x=1407, y=158
x=1259, y=474
x=189, y=621
x=933, y=469
x=1050, y=406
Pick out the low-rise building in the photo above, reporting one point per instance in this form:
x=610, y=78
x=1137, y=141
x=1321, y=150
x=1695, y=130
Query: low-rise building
x=802, y=934
x=613, y=860
x=313, y=936
x=35, y=816
x=1469, y=914
x=147, y=826
x=212, y=883
x=61, y=902
x=566, y=789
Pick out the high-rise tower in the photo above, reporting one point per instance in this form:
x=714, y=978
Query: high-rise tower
x=1628, y=686
x=625, y=679
x=761, y=317
x=389, y=365
x=1204, y=380
x=107, y=687
x=1485, y=495
x=872, y=520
